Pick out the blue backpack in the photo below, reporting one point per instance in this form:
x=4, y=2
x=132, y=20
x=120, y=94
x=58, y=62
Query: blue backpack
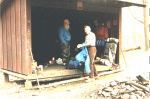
x=73, y=64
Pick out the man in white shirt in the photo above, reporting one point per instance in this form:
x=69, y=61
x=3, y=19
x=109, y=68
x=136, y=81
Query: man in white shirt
x=90, y=40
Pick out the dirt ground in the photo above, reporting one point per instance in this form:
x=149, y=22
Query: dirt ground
x=74, y=90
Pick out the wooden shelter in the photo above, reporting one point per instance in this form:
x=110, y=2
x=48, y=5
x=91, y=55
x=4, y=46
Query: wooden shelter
x=17, y=31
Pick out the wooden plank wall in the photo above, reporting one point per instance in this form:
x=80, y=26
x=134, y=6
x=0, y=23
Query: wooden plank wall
x=1, y=49
x=73, y=5
x=16, y=43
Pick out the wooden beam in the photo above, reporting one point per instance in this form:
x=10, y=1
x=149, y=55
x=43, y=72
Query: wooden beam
x=4, y=39
x=77, y=79
x=1, y=44
x=120, y=36
x=29, y=47
x=24, y=58
x=73, y=5
x=18, y=35
x=9, y=35
x=146, y=28
x=139, y=86
x=14, y=74
x=13, y=32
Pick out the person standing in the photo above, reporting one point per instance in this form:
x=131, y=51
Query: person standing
x=101, y=33
x=65, y=38
x=90, y=40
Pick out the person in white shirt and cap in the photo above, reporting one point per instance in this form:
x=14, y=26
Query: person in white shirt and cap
x=90, y=40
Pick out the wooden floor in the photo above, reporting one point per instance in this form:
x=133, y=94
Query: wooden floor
x=55, y=72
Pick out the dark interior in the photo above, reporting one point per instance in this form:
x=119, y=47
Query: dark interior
x=45, y=25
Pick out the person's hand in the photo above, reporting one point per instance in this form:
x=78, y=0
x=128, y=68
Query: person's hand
x=76, y=49
x=79, y=45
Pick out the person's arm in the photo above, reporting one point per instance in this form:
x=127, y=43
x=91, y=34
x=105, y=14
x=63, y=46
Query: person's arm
x=88, y=43
x=61, y=36
x=106, y=32
x=82, y=45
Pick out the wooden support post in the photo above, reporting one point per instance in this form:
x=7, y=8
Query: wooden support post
x=28, y=85
x=5, y=77
x=146, y=33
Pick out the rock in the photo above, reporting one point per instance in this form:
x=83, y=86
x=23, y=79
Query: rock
x=125, y=96
x=140, y=93
x=35, y=94
x=91, y=95
x=117, y=87
x=138, y=96
x=105, y=94
x=121, y=91
x=99, y=92
x=123, y=85
x=69, y=89
x=101, y=88
x=112, y=84
x=132, y=93
x=115, y=92
x=14, y=84
x=55, y=86
x=130, y=90
x=128, y=87
x=133, y=97
x=147, y=94
x=147, y=86
x=107, y=85
x=108, y=89
x=116, y=97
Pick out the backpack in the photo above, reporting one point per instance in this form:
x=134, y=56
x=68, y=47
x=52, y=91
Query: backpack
x=73, y=64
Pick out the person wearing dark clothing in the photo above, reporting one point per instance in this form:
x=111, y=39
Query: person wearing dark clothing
x=65, y=38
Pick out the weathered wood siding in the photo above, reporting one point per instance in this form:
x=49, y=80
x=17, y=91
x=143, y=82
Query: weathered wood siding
x=132, y=36
x=73, y=5
x=16, y=40
x=132, y=28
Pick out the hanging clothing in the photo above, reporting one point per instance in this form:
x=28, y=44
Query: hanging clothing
x=101, y=33
x=83, y=56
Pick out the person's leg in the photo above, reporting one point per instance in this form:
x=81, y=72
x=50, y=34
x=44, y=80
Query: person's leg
x=98, y=47
x=102, y=47
x=94, y=68
x=68, y=53
x=92, y=53
x=65, y=52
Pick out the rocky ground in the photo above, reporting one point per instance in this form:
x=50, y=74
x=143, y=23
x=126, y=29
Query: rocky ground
x=113, y=86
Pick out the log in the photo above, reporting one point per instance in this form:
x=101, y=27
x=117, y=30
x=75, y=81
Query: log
x=136, y=88
x=142, y=79
x=139, y=86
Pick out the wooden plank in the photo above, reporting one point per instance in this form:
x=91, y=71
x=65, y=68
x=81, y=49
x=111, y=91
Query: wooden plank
x=13, y=35
x=73, y=5
x=1, y=44
x=77, y=79
x=9, y=54
x=120, y=36
x=14, y=74
x=4, y=40
x=139, y=86
x=29, y=36
x=24, y=37
x=18, y=36
x=146, y=32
